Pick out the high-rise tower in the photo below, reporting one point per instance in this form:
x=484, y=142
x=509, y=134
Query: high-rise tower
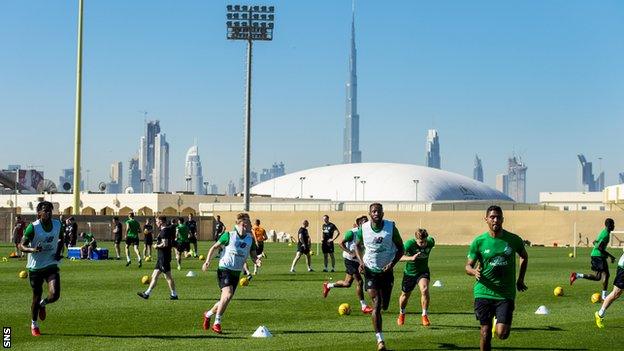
x=477, y=172
x=193, y=172
x=351, y=148
x=147, y=152
x=433, y=149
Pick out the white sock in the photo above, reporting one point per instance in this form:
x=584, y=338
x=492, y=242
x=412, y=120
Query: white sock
x=580, y=275
x=330, y=285
x=402, y=310
x=604, y=294
x=209, y=314
x=148, y=291
x=218, y=319
x=424, y=312
x=174, y=293
x=363, y=303
x=42, y=303
x=601, y=313
x=379, y=337
x=33, y=324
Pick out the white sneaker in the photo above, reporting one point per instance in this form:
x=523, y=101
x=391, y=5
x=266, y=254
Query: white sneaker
x=292, y=271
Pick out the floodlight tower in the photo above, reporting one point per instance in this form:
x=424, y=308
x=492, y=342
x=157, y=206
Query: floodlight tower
x=249, y=23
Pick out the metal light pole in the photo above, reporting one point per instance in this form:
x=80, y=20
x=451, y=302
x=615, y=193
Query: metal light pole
x=249, y=23
x=300, y=191
x=415, y=189
x=78, y=123
x=355, y=179
x=363, y=189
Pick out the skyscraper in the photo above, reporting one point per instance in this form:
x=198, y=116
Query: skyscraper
x=351, y=147
x=68, y=177
x=621, y=177
x=588, y=181
x=160, y=172
x=115, y=186
x=134, y=175
x=433, y=149
x=516, y=179
x=147, y=154
x=501, y=183
x=477, y=172
x=193, y=172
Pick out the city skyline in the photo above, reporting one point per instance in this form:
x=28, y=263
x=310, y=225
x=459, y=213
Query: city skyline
x=433, y=158
x=351, y=149
x=502, y=80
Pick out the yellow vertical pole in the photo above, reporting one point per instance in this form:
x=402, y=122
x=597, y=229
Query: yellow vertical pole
x=78, y=124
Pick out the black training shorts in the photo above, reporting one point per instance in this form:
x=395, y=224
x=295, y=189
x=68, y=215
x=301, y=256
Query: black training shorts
x=132, y=241
x=163, y=263
x=302, y=249
x=352, y=267
x=619, y=278
x=599, y=264
x=148, y=239
x=184, y=246
x=192, y=239
x=226, y=277
x=327, y=247
x=410, y=281
x=486, y=309
x=38, y=277
x=382, y=282
x=117, y=238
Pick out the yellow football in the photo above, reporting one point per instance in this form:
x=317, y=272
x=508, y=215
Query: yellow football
x=5, y=259
x=595, y=298
x=23, y=274
x=148, y=259
x=312, y=253
x=202, y=257
x=145, y=279
x=558, y=291
x=570, y=254
x=244, y=281
x=344, y=309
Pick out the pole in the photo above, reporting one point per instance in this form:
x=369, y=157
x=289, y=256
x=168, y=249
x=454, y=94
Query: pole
x=78, y=124
x=247, y=126
x=574, y=238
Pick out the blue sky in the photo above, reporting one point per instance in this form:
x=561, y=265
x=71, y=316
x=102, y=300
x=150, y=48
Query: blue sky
x=543, y=79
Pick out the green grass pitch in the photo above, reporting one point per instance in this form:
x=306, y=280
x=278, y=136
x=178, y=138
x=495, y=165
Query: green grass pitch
x=99, y=308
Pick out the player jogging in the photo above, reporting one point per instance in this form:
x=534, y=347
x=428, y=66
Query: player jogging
x=327, y=244
x=416, y=272
x=383, y=247
x=237, y=245
x=191, y=224
x=352, y=266
x=163, y=264
x=132, y=238
x=495, y=287
x=259, y=238
x=182, y=238
x=43, y=242
x=117, y=233
x=303, y=246
x=599, y=257
x=618, y=286
x=148, y=238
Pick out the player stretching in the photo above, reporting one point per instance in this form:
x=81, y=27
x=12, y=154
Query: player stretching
x=351, y=265
x=43, y=242
x=599, y=256
x=163, y=264
x=416, y=272
x=618, y=286
x=237, y=245
x=495, y=286
x=383, y=247
x=132, y=238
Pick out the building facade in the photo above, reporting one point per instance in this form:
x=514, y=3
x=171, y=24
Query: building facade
x=433, y=149
x=194, y=179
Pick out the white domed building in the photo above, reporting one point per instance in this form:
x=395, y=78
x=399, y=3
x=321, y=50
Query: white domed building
x=378, y=182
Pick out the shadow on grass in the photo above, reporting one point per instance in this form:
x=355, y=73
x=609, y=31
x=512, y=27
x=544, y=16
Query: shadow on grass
x=517, y=329
x=234, y=299
x=162, y=337
x=447, y=346
x=331, y=331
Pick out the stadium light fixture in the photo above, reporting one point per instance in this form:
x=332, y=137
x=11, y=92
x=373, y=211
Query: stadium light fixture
x=249, y=23
x=355, y=180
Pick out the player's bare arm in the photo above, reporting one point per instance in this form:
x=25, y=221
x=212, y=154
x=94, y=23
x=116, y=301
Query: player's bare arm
x=472, y=270
x=524, y=263
x=211, y=252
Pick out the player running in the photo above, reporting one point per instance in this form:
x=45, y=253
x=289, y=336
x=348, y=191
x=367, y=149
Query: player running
x=259, y=238
x=327, y=244
x=117, y=229
x=416, y=272
x=43, y=241
x=237, y=245
x=382, y=248
x=618, y=286
x=191, y=224
x=599, y=257
x=163, y=264
x=148, y=238
x=132, y=238
x=495, y=287
x=183, y=244
x=351, y=265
